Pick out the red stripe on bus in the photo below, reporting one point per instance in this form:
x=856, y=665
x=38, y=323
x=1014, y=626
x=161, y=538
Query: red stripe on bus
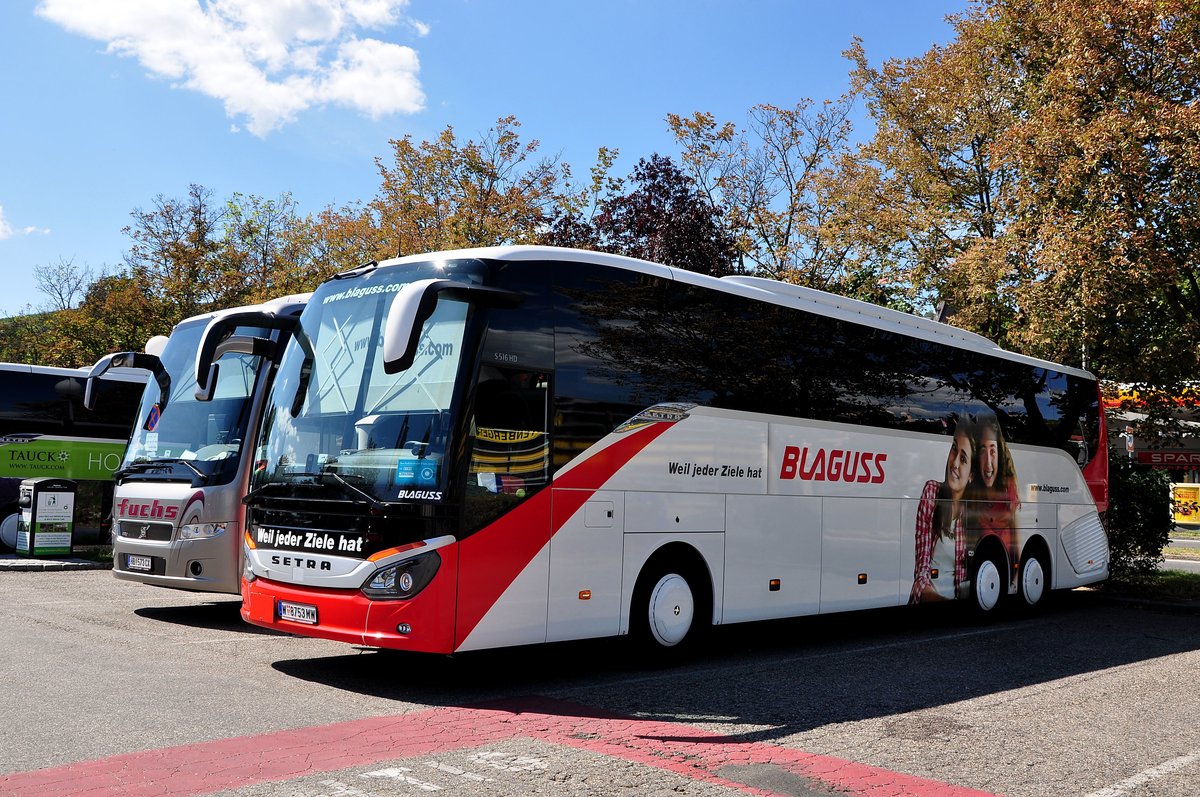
x=509, y=544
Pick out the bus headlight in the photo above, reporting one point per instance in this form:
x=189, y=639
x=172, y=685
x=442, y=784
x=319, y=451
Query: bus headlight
x=203, y=531
x=247, y=567
x=404, y=580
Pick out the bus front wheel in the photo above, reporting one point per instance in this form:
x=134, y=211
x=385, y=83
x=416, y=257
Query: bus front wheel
x=988, y=585
x=670, y=607
x=671, y=610
x=8, y=530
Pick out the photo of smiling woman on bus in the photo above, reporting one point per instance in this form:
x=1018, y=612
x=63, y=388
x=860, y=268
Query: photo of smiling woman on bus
x=940, y=569
x=993, y=496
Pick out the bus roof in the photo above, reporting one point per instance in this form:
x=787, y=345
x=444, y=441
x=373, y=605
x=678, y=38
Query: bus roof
x=277, y=304
x=122, y=374
x=814, y=301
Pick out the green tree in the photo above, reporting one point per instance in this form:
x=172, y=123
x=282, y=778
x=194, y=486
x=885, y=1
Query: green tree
x=268, y=246
x=1139, y=518
x=116, y=314
x=23, y=338
x=773, y=183
x=572, y=221
x=441, y=194
x=337, y=239
x=176, y=253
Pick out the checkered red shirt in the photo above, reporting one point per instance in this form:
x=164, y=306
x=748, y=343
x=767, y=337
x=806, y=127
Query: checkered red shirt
x=926, y=537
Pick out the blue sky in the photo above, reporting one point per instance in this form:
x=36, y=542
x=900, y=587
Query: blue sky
x=109, y=103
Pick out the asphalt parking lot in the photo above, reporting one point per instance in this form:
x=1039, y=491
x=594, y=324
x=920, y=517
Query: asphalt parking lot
x=117, y=688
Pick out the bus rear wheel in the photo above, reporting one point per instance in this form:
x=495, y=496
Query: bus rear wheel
x=1031, y=582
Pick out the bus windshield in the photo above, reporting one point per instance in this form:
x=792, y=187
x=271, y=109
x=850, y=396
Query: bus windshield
x=335, y=415
x=206, y=435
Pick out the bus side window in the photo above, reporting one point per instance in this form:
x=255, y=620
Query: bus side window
x=510, y=454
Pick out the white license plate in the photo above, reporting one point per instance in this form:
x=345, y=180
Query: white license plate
x=298, y=612
x=138, y=563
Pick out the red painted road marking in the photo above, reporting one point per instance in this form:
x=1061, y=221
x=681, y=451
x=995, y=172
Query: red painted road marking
x=278, y=757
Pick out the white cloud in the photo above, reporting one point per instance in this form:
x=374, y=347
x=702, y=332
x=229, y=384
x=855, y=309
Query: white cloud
x=7, y=230
x=360, y=78
x=266, y=60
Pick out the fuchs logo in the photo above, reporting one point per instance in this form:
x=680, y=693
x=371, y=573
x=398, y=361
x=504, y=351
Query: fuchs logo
x=127, y=508
x=831, y=465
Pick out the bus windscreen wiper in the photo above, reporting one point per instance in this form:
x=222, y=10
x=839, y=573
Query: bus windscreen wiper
x=247, y=499
x=356, y=494
x=159, y=465
x=350, y=488
x=201, y=475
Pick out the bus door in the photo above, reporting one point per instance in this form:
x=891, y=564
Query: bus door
x=504, y=562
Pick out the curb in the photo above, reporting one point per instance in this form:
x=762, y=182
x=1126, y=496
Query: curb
x=10, y=562
x=21, y=566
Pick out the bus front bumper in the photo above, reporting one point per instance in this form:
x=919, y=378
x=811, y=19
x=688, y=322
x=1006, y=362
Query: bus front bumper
x=204, y=565
x=424, y=623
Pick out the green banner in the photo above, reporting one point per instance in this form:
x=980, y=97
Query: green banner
x=77, y=458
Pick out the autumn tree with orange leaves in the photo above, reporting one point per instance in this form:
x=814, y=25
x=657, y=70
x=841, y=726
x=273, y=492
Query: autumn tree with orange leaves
x=1107, y=150
x=447, y=193
x=1041, y=174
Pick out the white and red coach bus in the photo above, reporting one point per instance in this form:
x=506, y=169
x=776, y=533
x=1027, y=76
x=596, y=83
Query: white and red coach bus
x=504, y=446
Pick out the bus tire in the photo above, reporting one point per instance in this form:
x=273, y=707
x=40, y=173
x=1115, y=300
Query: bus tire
x=1033, y=578
x=8, y=529
x=671, y=606
x=989, y=583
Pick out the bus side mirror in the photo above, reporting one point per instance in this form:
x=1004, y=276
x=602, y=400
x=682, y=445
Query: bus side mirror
x=415, y=303
x=222, y=326
x=128, y=359
x=409, y=310
x=239, y=344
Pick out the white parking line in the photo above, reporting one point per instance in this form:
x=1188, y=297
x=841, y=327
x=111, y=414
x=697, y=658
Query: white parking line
x=401, y=774
x=453, y=770
x=1154, y=773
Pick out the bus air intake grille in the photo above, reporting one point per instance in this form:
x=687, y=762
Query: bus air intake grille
x=142, y=530
x=1086, y=545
